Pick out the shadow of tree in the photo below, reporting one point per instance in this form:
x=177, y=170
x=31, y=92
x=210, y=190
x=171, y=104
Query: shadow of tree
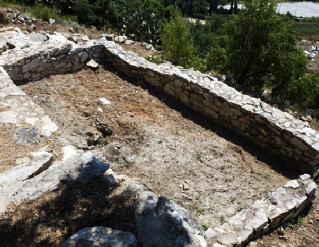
x=56, y=215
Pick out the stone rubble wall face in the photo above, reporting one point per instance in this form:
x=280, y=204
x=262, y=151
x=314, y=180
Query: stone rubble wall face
x=280, y=206
x=262, y=124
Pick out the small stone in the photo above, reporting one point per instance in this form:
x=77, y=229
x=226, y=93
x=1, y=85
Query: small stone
x=92, y=64
x=121, y=39
x=105, y=101
x=116, y=150
x=281, y=231
x=292, y=184
x=71, y=30
x=85, y=38
x=129, y=42
x=304, y=176
x=306, y=119
x=128, y=159
x=253, y=244
x=109, y=37
x=311, y=189
x=51, y=21
x=185, y=186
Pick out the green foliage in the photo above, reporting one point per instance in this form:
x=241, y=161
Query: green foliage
x=39, y=10
x=200, y=210
x=205, y=226
x=259, y=49
x=100, y=13
x=146, y=22
x=177, y=42
x=307, y=30
x=222, y=219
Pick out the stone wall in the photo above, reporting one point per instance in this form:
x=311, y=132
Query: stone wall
x=262, y=124
x=280, y=206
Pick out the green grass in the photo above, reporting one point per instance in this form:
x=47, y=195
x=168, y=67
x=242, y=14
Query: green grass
x=200, y=210
x=205, y=227
x=307, y=30
x=39, y=10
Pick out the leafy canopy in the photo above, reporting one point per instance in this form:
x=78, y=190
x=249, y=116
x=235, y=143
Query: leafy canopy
x=177, y=42
x=259, y=48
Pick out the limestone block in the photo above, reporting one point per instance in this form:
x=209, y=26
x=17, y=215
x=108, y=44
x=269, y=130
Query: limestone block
x=160, y=220
x=84, y=56
x=153, y=81
x=31, y=65
x=101, y=236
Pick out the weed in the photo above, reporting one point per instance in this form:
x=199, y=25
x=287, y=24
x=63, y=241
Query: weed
x=197, y=198
x=222, y=220
x=158, y=182
x=223, y=166
x=76, y=124
x=176, y=132
x=299, y=220
x=200, y=210
x=268, y=176
x=106, y=140
x=205, y=227
x=232, y=198
x=199, y=156
x=160, y=142
x=150, y=99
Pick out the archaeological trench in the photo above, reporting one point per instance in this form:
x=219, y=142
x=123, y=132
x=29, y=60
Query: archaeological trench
x=159, y=220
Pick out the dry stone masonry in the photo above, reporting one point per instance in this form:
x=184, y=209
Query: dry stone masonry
x=282, y=205
x=34, y=56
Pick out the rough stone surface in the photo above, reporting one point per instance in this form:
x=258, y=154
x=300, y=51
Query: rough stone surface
x=92, y=64
x=280, y=206
x=161, y=222
x=81, y=167
x=28, y=135
x=38, y=37
x=100, y=236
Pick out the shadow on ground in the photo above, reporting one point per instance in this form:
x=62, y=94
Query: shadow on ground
x=56, y=215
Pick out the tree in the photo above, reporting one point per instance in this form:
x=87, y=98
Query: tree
x=259, y=49
x=177, y=43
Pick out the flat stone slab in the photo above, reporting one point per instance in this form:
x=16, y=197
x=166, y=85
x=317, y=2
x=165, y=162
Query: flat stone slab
x=28, y=135
x=161, y=220
x=101, y=236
